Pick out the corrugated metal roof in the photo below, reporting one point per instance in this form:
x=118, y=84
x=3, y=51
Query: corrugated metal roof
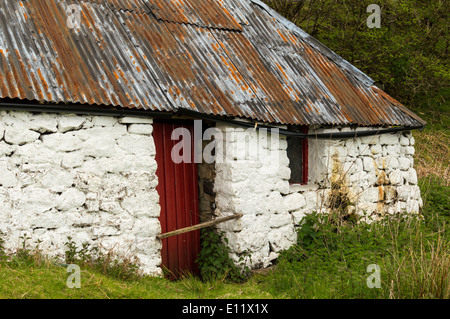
x=228, y=57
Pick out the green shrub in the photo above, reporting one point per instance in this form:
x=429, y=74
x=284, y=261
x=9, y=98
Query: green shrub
x=214, y=260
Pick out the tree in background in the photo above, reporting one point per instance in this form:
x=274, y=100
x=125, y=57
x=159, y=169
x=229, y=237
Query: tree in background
x=407, y=56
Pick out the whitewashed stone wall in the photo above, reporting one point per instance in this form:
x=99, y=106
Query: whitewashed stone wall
x=375, y=173
x=89, y=177
x=254, y=186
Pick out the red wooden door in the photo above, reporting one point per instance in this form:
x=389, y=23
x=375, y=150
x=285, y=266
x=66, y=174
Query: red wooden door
x=178, y=191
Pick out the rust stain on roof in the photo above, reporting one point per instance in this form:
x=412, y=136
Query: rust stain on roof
x=229, y=57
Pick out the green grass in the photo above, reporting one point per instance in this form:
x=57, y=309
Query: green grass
x=49, y=282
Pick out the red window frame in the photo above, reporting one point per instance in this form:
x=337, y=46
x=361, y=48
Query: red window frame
x=304, y=160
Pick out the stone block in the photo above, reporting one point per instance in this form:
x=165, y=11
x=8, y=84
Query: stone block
x=62, y=142
x=143, y=129
x=396, y=177
x=71, y=199
x=135, y=120
x=404, y=140
x=70, y=122
x=294, y=202
x=368, y=164
x=389, y=139
x=104, y=120
x=43, y=123
x=137, y=144
x=20, y=134
x=404, y=163
x=57, y=180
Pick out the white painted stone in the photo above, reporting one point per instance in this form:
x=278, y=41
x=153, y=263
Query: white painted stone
x=57, y=180
x=34, y=201
x=135, y=120
x=311, y=198
x=404, y=140
x=391, y=162
x=7, y=177
x=103, y=120
x=404, y=192
x=99, y=146
x=282, y=238
x=340, y=152
x=294, y=202
x=49, y=220
x=281, y=186
x=298, y=216
x=412, y=206
x=404, y=163
x=389, y=139
x=43, y=123
x=376, y=149
x=368, y=164
x=396, y=177
x=364, y=150
x=72, y=160
x=393, y=150
x=70, y=199
x=144, y=205
x=70, y=123
x=113, y=132
x=62, y=142
x=279, y=220
x=137, y=144
x=369, y=195
x=143, y=129
x=2, y=129
x=19, y=134
x=352, y=166
x=275, y=204
x=390, y=193
x=411, y=176
x=6, y=149
x=146, y=227
x=409, y=150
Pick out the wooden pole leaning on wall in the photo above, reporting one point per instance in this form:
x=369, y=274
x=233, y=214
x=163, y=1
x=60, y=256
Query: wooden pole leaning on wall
x=199, y=226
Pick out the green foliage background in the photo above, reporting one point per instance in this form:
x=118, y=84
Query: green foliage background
x=407, y=56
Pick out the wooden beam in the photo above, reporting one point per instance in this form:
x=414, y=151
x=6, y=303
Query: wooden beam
x=199, y=226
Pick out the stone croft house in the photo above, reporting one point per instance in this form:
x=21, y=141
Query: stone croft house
x=121, y=120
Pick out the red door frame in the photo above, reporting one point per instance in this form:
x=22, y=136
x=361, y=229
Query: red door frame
x=178, y=191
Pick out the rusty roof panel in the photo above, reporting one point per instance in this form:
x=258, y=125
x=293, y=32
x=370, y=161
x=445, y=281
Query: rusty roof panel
x=126, y=5
x=204, y=13
x=228, y=57
x=196, y=72
x=42, y=59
